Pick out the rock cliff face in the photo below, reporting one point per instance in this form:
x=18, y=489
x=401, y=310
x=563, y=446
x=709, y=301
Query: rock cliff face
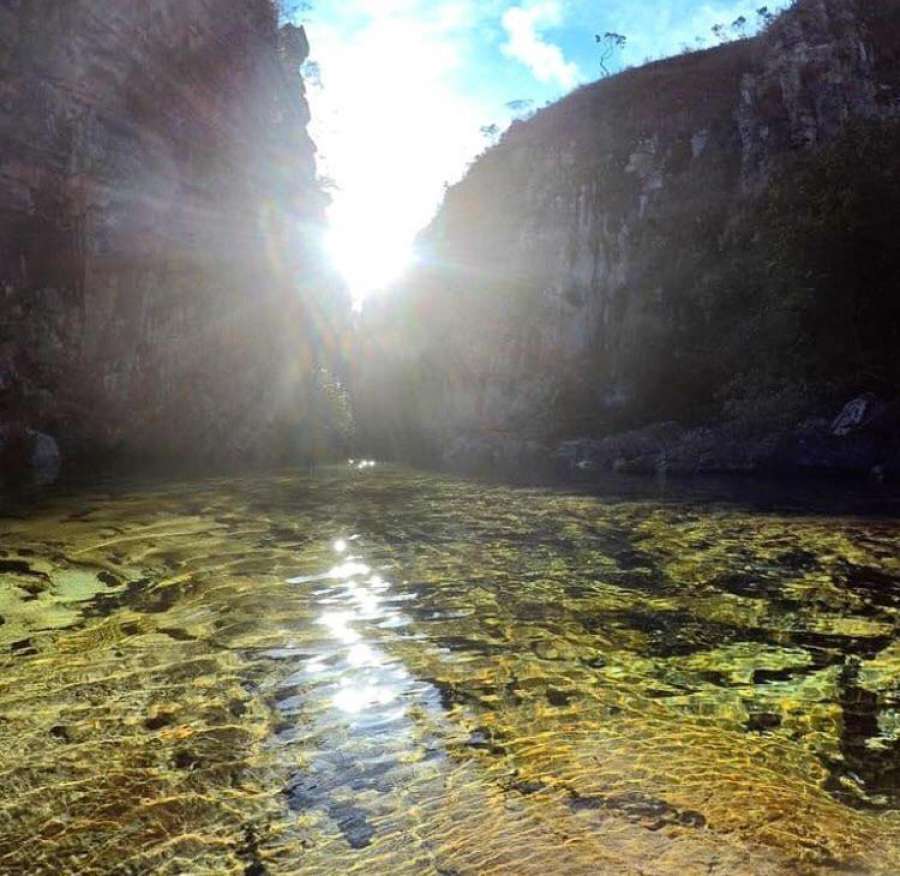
x=160, y=291
x=575, y=281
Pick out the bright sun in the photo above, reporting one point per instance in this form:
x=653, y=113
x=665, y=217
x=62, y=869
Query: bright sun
x=369, y=258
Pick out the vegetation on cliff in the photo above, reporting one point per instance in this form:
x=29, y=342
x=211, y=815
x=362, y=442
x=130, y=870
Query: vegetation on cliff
x=704, y=239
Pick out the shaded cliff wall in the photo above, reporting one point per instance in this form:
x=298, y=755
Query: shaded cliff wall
x=161, y=291
x=608, y=262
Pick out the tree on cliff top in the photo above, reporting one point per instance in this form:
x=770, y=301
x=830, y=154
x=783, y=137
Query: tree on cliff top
x=609, y=43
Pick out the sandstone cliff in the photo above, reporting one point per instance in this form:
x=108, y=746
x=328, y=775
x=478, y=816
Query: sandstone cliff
x=622, y=257
x=160, y=289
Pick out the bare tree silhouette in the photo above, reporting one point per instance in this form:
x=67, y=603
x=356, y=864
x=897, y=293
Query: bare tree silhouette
x=609, y=43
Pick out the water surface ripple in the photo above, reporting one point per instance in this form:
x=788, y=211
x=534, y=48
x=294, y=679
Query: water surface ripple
x=378, y=671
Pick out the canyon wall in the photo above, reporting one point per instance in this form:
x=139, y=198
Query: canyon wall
x=161, y=292
x=624, y=256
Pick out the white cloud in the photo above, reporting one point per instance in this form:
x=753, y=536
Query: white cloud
x=525, y=42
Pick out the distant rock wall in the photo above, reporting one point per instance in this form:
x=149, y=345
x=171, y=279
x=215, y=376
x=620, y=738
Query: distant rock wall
x=161, y=292
x=567, y=282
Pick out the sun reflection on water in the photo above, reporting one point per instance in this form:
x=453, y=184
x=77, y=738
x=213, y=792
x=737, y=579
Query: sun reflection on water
x=355, y=698
x=338, y=623
x=362, y=676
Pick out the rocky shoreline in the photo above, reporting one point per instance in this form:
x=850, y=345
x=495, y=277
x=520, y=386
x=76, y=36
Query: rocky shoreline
x=861, y=441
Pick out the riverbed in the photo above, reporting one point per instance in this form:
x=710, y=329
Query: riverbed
x=375, y=670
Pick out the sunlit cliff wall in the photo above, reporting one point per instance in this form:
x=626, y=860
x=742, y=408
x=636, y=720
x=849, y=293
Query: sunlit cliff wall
x=596, y=269
x=160, y=288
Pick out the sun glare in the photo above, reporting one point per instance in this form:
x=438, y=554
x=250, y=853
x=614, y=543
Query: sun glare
x=368, y=257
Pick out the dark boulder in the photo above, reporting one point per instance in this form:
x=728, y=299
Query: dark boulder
x=640, y=450
x=863, y=439
x=26, y=454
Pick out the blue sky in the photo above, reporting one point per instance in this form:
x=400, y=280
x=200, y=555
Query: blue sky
x=407, y=86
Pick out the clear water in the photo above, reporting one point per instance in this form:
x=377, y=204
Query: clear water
x=379, y=671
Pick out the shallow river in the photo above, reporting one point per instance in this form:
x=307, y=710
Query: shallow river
x=376, y=671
